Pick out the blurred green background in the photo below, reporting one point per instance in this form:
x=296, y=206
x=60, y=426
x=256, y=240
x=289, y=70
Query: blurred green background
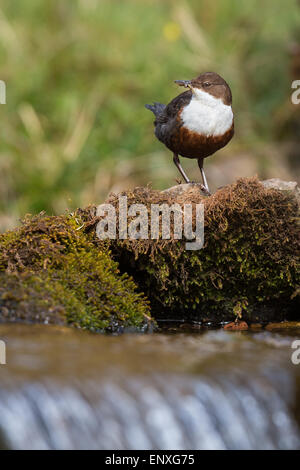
x=78, y=73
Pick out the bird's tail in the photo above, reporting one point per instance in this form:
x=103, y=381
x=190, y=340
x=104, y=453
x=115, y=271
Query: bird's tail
x=156, y=108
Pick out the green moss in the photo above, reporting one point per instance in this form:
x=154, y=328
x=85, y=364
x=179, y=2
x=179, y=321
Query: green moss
x=249, y=265
x=53, y=270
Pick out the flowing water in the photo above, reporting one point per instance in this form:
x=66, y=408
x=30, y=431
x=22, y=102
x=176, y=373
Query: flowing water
x=67, y=389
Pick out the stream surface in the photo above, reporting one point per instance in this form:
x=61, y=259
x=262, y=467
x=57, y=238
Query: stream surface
x=67, y=389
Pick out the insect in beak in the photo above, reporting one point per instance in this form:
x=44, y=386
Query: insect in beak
x=185, y=83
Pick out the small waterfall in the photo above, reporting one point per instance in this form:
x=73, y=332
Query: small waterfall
x=211, y=391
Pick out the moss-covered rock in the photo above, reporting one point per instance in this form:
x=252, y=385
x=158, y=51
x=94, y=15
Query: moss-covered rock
x=54, y=270
x=248, y=267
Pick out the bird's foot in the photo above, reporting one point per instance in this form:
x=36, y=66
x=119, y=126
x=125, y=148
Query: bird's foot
x=202, y=187
x=206, y=191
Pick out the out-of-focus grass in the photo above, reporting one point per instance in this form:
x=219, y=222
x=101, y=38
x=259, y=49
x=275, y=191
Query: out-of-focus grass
x=78, y=74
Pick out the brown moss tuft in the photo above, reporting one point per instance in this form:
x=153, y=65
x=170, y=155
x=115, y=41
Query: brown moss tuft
x=249, y=265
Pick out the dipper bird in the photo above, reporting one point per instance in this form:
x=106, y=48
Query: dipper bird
x=197, y=122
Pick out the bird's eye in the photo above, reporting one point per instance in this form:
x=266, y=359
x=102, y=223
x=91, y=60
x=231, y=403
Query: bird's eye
x=206, y=84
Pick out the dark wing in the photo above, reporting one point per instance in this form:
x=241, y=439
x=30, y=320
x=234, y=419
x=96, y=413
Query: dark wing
x=171, y=110
x=166, y=123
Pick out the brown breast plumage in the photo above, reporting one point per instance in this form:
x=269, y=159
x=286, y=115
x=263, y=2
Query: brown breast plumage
x=191, y=144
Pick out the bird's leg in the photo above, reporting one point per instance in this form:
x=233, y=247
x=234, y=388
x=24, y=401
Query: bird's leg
x=200, y=163
x=181, y=170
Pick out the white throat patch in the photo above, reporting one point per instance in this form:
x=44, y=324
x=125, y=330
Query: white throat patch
x=207, y=115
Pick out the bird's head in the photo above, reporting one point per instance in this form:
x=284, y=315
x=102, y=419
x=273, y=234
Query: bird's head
x=208, y=83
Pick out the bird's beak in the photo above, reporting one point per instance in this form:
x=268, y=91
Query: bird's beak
x=185, y=83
